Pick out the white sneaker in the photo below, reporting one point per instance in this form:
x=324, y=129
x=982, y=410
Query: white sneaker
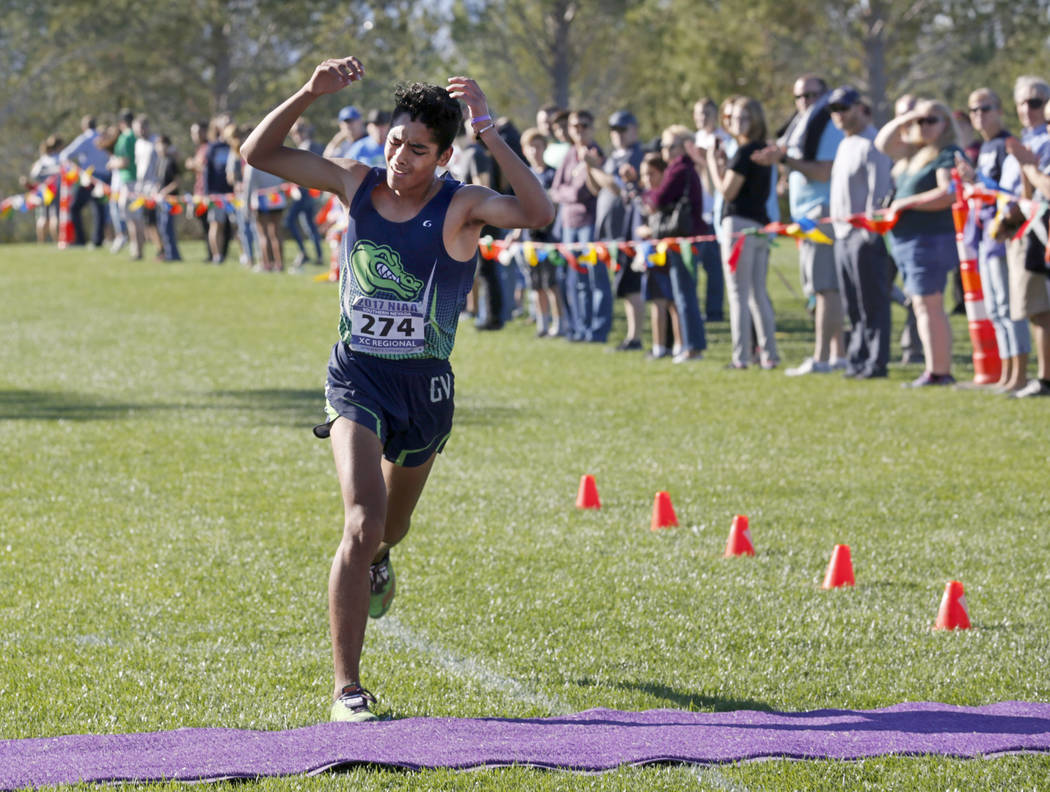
x=809, y=366
x=688, y=356
x=118, y=243
x=1033, y=388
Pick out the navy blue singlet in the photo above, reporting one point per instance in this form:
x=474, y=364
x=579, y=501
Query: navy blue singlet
x=400, y=292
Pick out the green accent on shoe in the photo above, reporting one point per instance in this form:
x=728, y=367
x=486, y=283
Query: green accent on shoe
x=383, y=587
x=352, y=706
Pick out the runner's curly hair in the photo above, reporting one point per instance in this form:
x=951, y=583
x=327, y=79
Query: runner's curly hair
x=433, y=107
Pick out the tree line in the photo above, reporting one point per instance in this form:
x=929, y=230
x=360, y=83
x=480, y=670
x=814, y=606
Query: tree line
x=181, y=62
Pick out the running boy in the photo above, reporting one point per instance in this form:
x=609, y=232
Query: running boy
x=407, y=264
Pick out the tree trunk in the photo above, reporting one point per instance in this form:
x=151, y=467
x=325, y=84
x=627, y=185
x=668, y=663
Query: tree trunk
x=560, y=24
x=223, y=69
x=875, y=62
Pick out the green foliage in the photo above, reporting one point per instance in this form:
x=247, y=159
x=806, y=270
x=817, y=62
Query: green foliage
x=529, y=54
x=167, y=520
x=180, y=62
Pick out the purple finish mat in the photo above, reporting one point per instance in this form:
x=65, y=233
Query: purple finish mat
x=595, y=740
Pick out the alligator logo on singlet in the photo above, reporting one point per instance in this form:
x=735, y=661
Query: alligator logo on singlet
x=379, y=268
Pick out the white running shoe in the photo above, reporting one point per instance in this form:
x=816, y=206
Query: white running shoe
x=809, y=366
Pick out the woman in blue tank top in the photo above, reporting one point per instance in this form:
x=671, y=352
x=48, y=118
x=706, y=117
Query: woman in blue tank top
x=407, y=263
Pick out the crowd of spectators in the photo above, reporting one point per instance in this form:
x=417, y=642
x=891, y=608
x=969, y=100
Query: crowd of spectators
x=717, y=183
x=136, y=183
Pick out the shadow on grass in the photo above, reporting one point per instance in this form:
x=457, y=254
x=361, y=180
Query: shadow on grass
x=296, y=407
x=37, y=405
x=681, y=699
x=280, y=406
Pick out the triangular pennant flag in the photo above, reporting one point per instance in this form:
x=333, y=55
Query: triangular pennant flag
x=734, y=254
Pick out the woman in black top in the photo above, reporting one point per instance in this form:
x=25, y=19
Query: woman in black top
x=744, y=185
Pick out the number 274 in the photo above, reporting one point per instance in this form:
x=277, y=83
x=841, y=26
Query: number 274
x=404, y=327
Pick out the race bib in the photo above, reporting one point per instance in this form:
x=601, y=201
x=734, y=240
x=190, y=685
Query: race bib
x=386, y=327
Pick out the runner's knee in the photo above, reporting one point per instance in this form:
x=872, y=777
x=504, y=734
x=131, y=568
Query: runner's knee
x=362, y=532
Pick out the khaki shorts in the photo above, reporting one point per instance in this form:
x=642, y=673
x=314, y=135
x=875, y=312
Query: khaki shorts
x=1029, y=291
x=817, y=264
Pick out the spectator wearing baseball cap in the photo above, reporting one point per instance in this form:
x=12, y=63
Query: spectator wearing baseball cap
x=614, y=216
x=860, y=181
x=369, y=148
x=351, y=130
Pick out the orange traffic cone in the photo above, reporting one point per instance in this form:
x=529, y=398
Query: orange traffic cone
x=663, y=512
x=840, y=568
x=587, y=495
x=952, y=614
x=739, y=538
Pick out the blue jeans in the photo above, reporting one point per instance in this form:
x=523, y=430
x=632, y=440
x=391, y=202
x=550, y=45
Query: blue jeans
x=303, y=208
x=246, y=232
x=81, y=198
x=683, y=287
x=1012, y=336
x=714, y=297
x=166, y=229
x=577, y=286
x=590, y=292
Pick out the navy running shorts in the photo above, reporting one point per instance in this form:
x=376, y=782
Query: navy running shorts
x=408, y=403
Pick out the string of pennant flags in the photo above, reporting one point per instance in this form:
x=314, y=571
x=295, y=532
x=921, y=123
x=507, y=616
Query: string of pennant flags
x=45, y=193
x=580, y=255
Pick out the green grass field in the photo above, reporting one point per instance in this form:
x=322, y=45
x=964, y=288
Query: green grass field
x=167, y=521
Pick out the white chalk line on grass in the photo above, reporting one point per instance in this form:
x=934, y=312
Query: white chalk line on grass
x=472, y=669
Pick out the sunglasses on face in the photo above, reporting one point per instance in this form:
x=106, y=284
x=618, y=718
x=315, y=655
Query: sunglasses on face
x=1035, y=103
x=808, y=95
x=838, y=108
x=981, y=109
x=580, y=125
x=928, y=121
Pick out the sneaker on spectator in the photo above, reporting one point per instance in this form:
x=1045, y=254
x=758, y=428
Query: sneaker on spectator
x=118, y=243
x=927, y=379
x=687, y=356
x=809, y=366
x=1033, y=388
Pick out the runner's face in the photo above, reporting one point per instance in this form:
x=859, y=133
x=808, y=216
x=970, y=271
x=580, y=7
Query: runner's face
x=411, y=154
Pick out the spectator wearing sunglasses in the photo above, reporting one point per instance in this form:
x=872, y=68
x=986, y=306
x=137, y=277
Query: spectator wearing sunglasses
x=588, y=293
x=1025, y=171
x=860, y=180
x=1012, y=337
x=923, y=143
x=805, y=150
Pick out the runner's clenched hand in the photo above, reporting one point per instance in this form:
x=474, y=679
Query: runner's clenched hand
x=335, y=74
